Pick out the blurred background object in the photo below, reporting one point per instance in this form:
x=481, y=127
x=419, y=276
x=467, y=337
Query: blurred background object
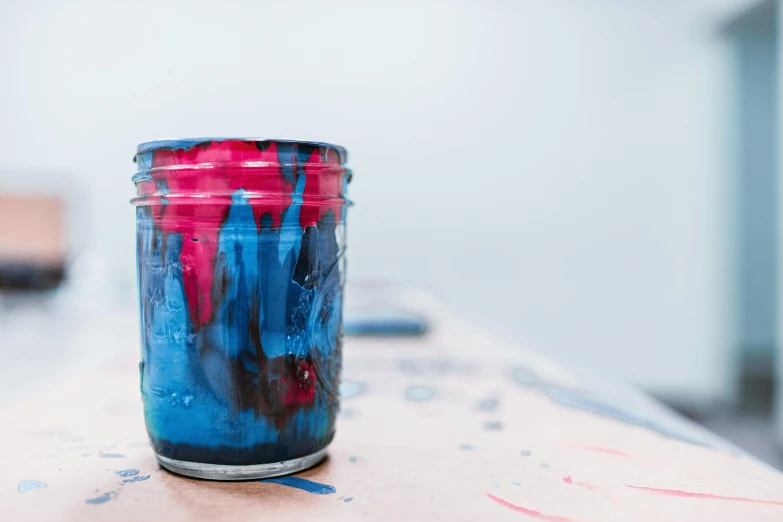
x=32, y=243
x=595, y=179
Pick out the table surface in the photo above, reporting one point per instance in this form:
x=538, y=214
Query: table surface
x=452, y=425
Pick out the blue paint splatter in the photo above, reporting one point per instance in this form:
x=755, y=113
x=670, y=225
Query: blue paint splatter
x=303, y=484
x=127, y=472
x=488, y=404
x=103, y=498
x=496, y=484
x=347, y=413
x=544, y=465
x=467, y=447
x=419, y=393
x=493, y=426
x=352, y=459
x=136, y=479
x=27, y=485
x=525, y=453
x=112, y=455
x=348, y=499
x=514, y=482
x=584, y=400
x=350, y=389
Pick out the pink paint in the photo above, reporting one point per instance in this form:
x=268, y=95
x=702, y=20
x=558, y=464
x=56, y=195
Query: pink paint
x=529, y=512
x=212, y=172
x=301, y=390
x=708, y=496
x=320, y=180
x=596, y=490
x=607, y=451
x=589, y=487
x=179, y=169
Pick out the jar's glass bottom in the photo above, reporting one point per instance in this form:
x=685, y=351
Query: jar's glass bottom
x=228, y=472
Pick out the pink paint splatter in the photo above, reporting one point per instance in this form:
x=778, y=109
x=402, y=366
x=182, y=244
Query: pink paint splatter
x=589, y=487
x=596, y=490
x=708, y=496
x=607, y=451
x=526, y=511
x=300, y=390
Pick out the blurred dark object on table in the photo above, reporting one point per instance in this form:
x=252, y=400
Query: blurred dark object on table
x=384, y=321
x=32, y=242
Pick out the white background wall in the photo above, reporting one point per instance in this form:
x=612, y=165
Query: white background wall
x=555, y=168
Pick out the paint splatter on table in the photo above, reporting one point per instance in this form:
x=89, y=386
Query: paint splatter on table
x=452, y=425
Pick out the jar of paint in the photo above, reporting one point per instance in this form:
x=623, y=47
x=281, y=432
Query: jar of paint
x=240, y=248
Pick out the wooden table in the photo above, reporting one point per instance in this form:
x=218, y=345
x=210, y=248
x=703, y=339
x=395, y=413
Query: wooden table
x=453, y=425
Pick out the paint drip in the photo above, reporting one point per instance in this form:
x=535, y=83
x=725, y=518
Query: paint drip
x=303, y=484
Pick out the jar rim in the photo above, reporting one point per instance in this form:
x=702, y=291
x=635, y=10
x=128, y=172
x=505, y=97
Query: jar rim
x=189, y=143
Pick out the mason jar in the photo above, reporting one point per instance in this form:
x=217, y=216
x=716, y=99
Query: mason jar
x=240, y=248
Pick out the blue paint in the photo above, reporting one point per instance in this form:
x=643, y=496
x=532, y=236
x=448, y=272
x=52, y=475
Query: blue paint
x=136, y=479
x=544, y=465
x=347, y=413
x=525, y=453
x=291, y=230
x=435, y=366
x=525, y=377
x=350, y=389
x=419, y=393
x=352, y=459
x=496, y=484
x=112, y=455
x=127, y=472
x=488, y=404
x=586, y=401
x=467, y=447
x=493, y=426
x=194, y=367
x=303, y=484
x=103, y=498
x=27, y=485
x=349, y=499
x=516, y=483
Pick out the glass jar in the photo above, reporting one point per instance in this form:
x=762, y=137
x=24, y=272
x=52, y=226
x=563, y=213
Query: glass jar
x=240, y=246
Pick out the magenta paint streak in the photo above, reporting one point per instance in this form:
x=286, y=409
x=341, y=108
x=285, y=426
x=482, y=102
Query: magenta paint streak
x=180, y=170
x=526, y=511
x=707, y=496
x=607, y=451
x=589, y=487
x=199, y=250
